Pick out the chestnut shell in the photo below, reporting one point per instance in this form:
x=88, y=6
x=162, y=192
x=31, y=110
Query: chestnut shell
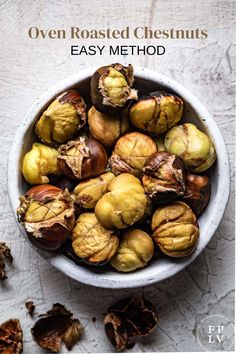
x=197, y=193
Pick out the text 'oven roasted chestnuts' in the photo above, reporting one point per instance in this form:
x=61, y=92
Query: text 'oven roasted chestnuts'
x=116, y=176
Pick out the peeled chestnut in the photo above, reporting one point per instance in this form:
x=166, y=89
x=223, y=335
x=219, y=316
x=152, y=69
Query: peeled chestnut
x=87, y=193
x=107, y=128
x=91, y=241
x=175, y=229
x=131, y=152
x=111, y=88
x=62, y=119
x=194, y=147
x=82, y=158
x=135, y=251
x=197, y=192
x=47, y=213
x=163, y=177
x=124, y=204
x=156, y=112
x=38, y=163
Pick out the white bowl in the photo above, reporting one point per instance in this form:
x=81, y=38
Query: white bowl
x=161, y=268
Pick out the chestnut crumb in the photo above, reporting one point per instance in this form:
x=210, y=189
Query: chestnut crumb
x=11, y=337
x=30, y=307
x=5, y=252
x=55, y=327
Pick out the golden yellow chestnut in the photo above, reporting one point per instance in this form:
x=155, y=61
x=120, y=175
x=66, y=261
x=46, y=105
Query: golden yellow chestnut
x=135, y=251
x=175, y=229
x=124, y=204
x=62, y=119
x=131, y=152
x=87, y=193
x=39, y=162
x=156, y=112
x=193, y=146
x=107, y=128
x=91, y=241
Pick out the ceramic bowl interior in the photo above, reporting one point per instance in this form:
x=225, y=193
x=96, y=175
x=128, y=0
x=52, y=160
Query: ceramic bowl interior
x=162, y=267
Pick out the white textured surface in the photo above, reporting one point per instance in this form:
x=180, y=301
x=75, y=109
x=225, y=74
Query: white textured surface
x=206, y=68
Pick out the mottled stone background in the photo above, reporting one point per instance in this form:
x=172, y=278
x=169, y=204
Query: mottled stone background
x=206, y=68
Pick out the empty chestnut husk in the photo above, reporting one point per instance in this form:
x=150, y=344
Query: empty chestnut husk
x=47, y=214
x=82, y=158
x=128, y=319
x=197, y=192
x=111, y=88
x=163, y=177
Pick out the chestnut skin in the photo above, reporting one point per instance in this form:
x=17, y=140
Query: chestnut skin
x=82, y=158
x=47, y=232
x=197, y=193
x=163, y=177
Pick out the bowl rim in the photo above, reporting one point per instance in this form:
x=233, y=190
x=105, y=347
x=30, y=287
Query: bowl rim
x=216, y=212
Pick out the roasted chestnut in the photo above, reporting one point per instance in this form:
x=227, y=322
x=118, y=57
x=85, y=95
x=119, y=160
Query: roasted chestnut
x=197, y=192
x=111, y=88
x=38, y=163
x=62, y=119
x=91, y=241
x=47, y=213
x=107, y=128
x=87, y=193
x=156, y=112
x=82, y=158
x=124, y=204
x=163, y=177
x=135, y=251
x=131, y=152
x=193, y=146
x=175, y=229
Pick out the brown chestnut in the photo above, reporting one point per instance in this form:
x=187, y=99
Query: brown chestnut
x=163, y=178
x=197, y=192
x=111, y=88
x=47, y=213
x=82, y=158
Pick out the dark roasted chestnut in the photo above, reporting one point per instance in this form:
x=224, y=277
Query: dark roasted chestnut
x=111, y=88
x=47, y=213
x=156, y=112
x=163, y=178
x=82, y=158
x=197, y=192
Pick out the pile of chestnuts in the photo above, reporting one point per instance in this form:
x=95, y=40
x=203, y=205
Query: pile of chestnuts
x=119, y=179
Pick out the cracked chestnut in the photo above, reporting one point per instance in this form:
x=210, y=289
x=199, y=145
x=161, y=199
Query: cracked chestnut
x=47, y=214
x=62, y=119
x=82, y=158
x=156, y=112
x=163, y=177
x=111, y=88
